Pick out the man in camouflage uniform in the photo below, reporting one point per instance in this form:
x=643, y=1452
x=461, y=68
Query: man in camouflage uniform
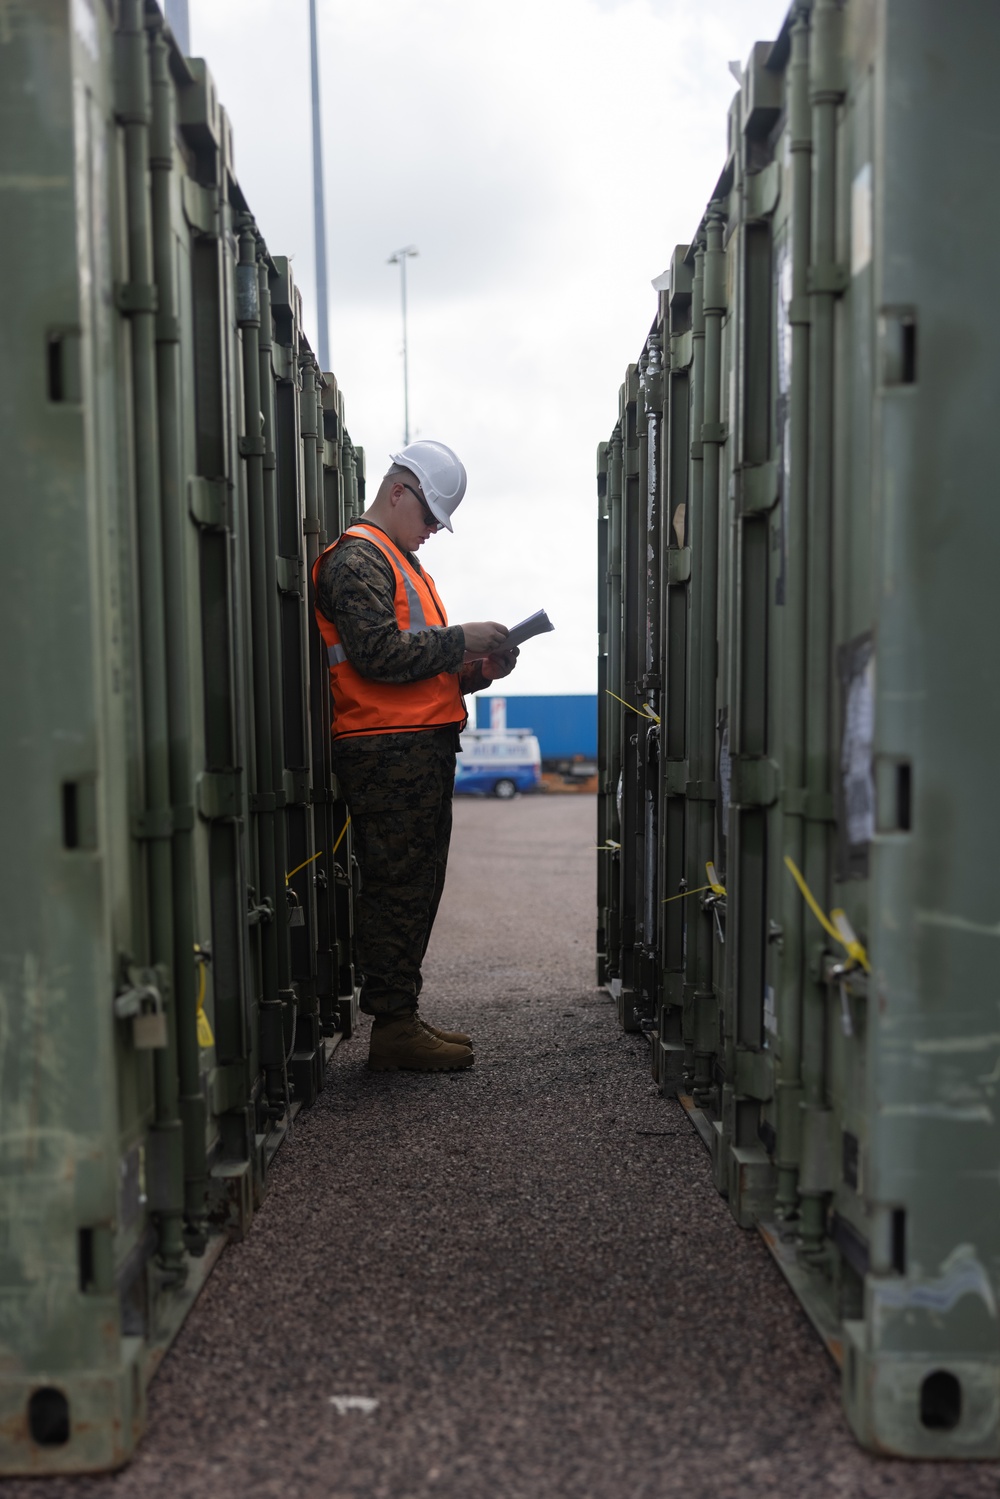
x=399, y=785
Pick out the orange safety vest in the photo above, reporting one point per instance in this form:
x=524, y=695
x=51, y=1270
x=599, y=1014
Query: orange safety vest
x=363, y=706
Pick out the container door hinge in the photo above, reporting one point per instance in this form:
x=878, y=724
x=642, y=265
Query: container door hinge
x=831, y=279
x=209, y=502
x=678, y=564
x=283, y=362
x=814, y=806
x=168, y=329
x=296, y=787
x=162, y=822
x=701, y=791
x=763, y=188
x=201, y=208
x=289, y=573
x=755, y=781
x=754, y=1074
x=681, y=351
x=218, y=794
x=135, y=296
x=675, y=777
x=757, y=488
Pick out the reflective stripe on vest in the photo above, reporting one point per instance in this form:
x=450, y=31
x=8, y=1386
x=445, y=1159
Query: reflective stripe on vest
x=364, y=706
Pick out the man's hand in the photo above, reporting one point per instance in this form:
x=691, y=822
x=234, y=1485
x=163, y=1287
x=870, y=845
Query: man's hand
x=481, y=639
x=500, y=664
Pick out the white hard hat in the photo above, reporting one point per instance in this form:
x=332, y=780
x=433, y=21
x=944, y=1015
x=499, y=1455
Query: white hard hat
x=441, y=473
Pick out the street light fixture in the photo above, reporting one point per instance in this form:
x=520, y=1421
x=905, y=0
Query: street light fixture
x=400, y=258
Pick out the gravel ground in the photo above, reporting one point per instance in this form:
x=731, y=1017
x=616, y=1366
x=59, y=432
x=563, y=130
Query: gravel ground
x=525, y=1265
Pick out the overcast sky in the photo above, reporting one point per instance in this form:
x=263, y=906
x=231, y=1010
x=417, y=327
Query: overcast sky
x=544, y=156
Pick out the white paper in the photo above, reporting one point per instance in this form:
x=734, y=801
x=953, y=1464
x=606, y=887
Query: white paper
x=536, y=624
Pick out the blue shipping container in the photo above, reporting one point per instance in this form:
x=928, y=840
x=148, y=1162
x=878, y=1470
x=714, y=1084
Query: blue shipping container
x=566, y=726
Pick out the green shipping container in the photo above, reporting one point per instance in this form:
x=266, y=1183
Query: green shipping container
x=797, y=816
x=176, y=960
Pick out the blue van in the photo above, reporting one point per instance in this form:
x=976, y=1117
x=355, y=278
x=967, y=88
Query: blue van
x=498, y=763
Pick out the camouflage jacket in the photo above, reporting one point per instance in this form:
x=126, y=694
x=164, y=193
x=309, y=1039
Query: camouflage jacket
x=356, y=589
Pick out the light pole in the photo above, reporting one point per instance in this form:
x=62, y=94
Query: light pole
x=400, y=258
x=319, y=210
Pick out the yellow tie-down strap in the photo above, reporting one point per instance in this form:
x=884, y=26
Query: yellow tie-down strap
x=644, y=712
x=319, y=852
x=205, y=1037
x=713, y=885
x=836, y=924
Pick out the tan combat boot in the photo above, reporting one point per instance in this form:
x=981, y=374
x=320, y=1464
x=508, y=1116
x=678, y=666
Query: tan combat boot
x=455, y=1038
x=407, y=1045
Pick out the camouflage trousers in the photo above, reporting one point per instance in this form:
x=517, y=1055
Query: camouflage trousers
x=399, y=789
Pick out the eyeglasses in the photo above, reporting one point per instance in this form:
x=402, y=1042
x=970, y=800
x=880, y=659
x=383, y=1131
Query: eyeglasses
x=429, y=518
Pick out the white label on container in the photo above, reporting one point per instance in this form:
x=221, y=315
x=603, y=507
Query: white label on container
x=861, y=219
x=770, y=1010
x=783, y=278
x=856, y=756
x=725, y=779
x=85, y=26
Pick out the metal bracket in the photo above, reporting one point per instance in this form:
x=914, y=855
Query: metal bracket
x=754, y=781
x=754, y=1073
x=218, y=793
x=156, y=822
x=296, y=786
x=763, y=188
x=681, y=351
x=678, y=564
x=289, y=574
x=757, y=488
x=701, y=791
x=714, y=431
x=209, y=502
x=168, y=329
x=136, y=296
x=283, y=362
x=675, y=774
x=831, y=279
x=815, y=806
x=201, y=208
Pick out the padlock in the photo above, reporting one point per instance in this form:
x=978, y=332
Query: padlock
x=149, y=1027
x=142, y=1003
